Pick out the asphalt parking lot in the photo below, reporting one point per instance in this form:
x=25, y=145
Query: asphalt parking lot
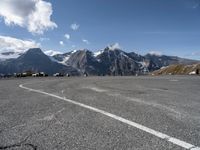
x=135, y=113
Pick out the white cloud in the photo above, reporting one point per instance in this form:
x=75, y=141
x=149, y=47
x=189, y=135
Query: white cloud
x=61, y=43
x=10, y=43
x=67, y=36
x=74, y=26
x=35, y=15
x=85, y=41
x=157, y=53
x=15, y=46
x=114, y=46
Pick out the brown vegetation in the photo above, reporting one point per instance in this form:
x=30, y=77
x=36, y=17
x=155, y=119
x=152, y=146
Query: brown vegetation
x=178, y=70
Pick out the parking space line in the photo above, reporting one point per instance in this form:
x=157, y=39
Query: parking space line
x=158, y=134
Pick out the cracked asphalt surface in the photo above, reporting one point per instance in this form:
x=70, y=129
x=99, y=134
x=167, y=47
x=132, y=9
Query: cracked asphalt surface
x=168, y=104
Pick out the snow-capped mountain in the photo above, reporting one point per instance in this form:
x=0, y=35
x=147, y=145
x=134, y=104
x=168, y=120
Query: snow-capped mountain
x=13, y=54
x=63, y=58
x=52, y=52
x=98, y=53
x=34, y=60
x=159, y=61
x=110, y=61
x=114, y=61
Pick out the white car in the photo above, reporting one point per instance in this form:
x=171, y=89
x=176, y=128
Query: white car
x=57, y=75
x=35, y=75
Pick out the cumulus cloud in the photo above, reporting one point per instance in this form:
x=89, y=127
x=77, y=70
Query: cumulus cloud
x=74, y=26
x=85, y=41
x=12, y=47
x=61, y=43
x=67, y=36
x=35, y=15
x=16, y=45
x=114, y=46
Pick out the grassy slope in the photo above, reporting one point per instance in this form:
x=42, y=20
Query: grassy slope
x=177, y=69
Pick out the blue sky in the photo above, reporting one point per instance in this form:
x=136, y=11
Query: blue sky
x=170, y=27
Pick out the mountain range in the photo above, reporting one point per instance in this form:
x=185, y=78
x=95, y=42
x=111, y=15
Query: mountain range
x=104, y=62
x=34, y=60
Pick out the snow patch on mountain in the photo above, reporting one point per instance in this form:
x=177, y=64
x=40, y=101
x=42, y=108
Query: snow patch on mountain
x=52, y=52
x=53, y=59
x=155, y=53
x=123, y=54
x=98, y=53
x=74, y=51
x=114, y=46
x=65, y=59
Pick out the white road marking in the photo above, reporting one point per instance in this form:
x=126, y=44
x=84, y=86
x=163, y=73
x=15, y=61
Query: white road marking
x=158, y=134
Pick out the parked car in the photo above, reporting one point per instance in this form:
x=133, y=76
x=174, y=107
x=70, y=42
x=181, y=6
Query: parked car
x=20, y=75
x=42, y=74
x=67, y=75
x=35, y=75
x=5, y=75
x=85, y=75
x=58, y=75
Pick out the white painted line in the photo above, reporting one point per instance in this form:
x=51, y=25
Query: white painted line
x=158, y=134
